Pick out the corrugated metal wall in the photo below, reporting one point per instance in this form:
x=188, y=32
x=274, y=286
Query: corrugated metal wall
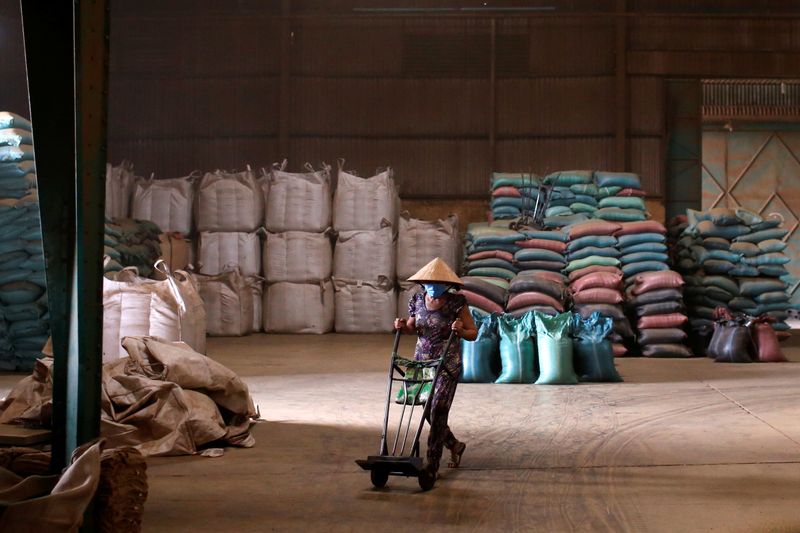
x=199, y=83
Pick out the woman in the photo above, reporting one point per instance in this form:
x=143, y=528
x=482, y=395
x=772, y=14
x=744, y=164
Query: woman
x=433, y=314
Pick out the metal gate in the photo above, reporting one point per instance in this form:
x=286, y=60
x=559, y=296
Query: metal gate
x=758, y=170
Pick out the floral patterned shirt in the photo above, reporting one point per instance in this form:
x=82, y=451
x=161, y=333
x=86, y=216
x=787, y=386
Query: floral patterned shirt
x=433, y=329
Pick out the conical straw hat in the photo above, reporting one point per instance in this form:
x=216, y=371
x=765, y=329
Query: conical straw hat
x=437, y=271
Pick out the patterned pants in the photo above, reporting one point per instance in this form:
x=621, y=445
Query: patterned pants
x=440, y=434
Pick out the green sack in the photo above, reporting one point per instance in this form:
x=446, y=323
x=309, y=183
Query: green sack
x=517, y=351
x=555, y=349
x=589, y=189
x=623, y=202
x=615, y=214
x=593, y=260
x=640, y=238
x=416, y=393
x=569, y=178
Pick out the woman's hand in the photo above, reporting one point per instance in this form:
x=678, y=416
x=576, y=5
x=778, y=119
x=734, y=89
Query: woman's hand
x=458, y=327
x=400, y=324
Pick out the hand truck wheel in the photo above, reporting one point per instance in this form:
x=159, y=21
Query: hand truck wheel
x=427, y=479
x=379, y=477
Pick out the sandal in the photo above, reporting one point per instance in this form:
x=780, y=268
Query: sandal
x=455, y=455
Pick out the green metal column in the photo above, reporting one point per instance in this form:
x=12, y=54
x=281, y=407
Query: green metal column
x=66, y=52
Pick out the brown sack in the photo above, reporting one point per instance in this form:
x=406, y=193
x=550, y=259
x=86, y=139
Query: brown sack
x=767, y=348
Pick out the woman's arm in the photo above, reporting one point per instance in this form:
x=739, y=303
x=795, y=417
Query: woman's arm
x=406, y=326
x=465, y=327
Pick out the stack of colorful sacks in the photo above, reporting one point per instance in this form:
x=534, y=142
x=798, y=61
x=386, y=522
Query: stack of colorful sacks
x=485, y=295
x=539, y=284
x=621, y=198
x=572, y=200
x=658, y=303
x=507, y=200
x=541, y=251
x=131, y=243
x=595, y=278
x=733, y=258
x=25, y=319
x=490, y=251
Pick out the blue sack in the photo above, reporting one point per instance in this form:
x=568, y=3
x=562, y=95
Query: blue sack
x=594, y=355
x=517, y=351
x=481, y=357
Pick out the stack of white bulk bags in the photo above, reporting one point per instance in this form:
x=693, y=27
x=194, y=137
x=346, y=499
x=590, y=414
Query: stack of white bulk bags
x=166, y=202
x=364, y=264
x=297, y=253
x=228, y=213
x=419, y=242
x=171, y=309
x=120, y=182
x=228, y=299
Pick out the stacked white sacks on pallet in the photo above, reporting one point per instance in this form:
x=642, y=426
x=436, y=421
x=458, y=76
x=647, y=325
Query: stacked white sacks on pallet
x=418, y=243
x=24, y=321
x=228, y=299
x=120, y=181
x=228, y=214
x=365, y=216
x=539, y=284
x=171, y=309
x=595, y=276
x=298, y=297
x=734, y=259
x=166, y=202
x=654, y=295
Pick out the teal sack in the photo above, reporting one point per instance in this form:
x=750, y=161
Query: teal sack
x=579, y=207
x=547, y=235
x=775, y=271
x=620, y=215
x=481, y=357
x=723, y=282
x=593, y=260
x=623, y=202
x=594, y=356
x=506, y=201
x=765, y=235
x=605, y=192
x=644, y=247
x=558, y=210
x=569, y=178
x=777, y=258
x=743, y=270
x=598, y=241
x=490, y=263
x=583, y=253
x=772, y=246
x=493, y=272
x=772, y=297
x=633, y=269
x=589, y=189
x=640, y=238
x=644, y=256
x=555, y=349
x=626, y=180
x=517, y=351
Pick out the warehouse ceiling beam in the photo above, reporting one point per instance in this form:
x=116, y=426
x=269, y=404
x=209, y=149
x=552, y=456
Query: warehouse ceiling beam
x=66, y=54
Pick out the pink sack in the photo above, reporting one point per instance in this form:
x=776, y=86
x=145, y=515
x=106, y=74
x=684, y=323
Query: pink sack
x=619, y=349
x=632, y=192
x=592, y=227
x=476, y=300
x=489, y=254
x=652, y=281
x=672, y=320
x=597, y=280
x=597, y=296
x=641, y=226
x=506, y=191
x=527, y=299
x=543, y=244
x=767, y=347
x=578, y=274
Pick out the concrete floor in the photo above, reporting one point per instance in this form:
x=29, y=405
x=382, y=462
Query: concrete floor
x=682, y=445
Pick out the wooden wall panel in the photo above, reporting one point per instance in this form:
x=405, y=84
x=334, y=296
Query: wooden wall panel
x=543, y=156
x=647, y=160
x=13, y=77
x=390, y=107
x=646, y=105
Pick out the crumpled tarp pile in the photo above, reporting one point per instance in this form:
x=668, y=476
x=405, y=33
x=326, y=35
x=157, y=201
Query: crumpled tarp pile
x=165, y=399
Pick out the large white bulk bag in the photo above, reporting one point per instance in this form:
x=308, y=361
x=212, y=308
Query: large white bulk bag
x=299, y=201
x=298, y=307
x=256, y=286
x=171, y=309
x=229, y=202
x=119, y=189
x=364, y=255
x=167, y=202
x=421, y=241
x=297, y=256
x=228, y=301
x=364, y=203
x=220, y=251
x=406, y=290
x=365, y=307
